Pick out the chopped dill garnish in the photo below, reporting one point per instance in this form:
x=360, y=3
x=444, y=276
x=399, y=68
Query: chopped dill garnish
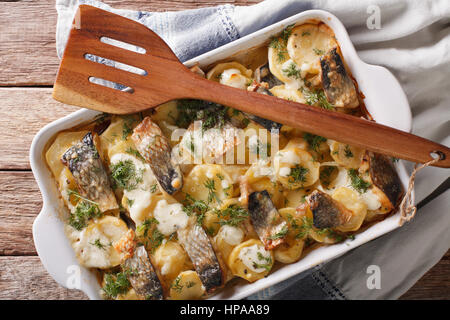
x=267, y=265
x=316, y=98
x=318, y=51
x=357, y=182
x=314, y=141
x=135, y=153
x=292, y=71
x=153, y=238
x=176, y=285
x=98, y=244
x=116, y=284
x=153, y=188
x=198, y=207
x=210, y=185
x=125, y=176
x=233, y=215
x=298, y=174
x=84, y=211
x=280, y=234
x=212, y=115
x=127, y=128
x=325, y=174
x=347, y=152
x=130, y=202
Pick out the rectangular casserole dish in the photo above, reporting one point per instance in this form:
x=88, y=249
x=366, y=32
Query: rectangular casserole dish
x=384, y=100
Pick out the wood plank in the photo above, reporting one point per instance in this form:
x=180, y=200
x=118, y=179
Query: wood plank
x=435, y=284
x=27, y=37
x=26, y=278
x=21, y=202
x=32, y=109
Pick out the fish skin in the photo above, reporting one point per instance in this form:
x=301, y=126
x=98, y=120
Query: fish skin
x=197, y=245
x=385, y=177
x=142, y=275
x=84, y=162
x=339, y=88
x=327, y=213
x=265, y=219
x=268, y=124
x=155, y=148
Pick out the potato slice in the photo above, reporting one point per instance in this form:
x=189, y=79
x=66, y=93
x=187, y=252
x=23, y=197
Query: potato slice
x=288, y=93
x=209, y=183
x=230, y=73
x=295, y=168
x=352, y=201
x=170, y=259
x=95, y=246
x=346, y=155
x=307, y=43
x=187, y=286
x=245, y=262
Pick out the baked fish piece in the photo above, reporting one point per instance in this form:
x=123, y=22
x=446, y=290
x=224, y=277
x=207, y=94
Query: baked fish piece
x=155, y=148
x=196, y=243
x=327, y=212
x=385, y=177
x=339, y=88
x=86, y=166
x=142, y=275
x=267, y=222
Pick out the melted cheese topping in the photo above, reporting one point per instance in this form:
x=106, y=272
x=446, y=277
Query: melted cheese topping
x=170, y=217
x=141, y=196
x=249, y=257
x=233, y=78
x=231, y=235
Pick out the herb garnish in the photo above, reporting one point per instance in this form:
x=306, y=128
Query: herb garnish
x=98, y=244
x=291, y=71
x=267, y=265
x=212, y=114
x=357, y=182
x=318, y=51
x=116, y=284
x=198, y=207
x=298, y=174
x=125, y=175
x=280, y=234
x=86, y=209
x=314, y=141
x=347, y=152
x=176, y=285
x=316, y=97
x=210, y=185
x=134, y=152
x=233, y=215
x=153, y=237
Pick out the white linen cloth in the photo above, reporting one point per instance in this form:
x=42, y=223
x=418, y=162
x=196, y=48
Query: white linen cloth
x=413, y=42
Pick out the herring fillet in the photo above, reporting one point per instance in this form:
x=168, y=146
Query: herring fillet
x=199, y=249
x=142, y=275
x=326, y=211
x=155, y=148
x=339, y=88
x=266, y=220
x=86, y=166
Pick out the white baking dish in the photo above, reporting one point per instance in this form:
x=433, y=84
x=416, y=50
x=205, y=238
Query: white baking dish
x=384, y=99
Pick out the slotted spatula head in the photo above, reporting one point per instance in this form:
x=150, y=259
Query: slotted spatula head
x=165, y=78
x=73, y=84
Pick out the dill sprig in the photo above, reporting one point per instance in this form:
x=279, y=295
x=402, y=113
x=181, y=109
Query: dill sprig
x=176, y=285
x=316, y=98
x=280, y=234
x=313, y=141
x=210, y=185
x=298, y=174
x=125, y=176
x=193, y=206
x=267, y=262
x=153, y=238
x=357, y=182
x=116, y=284
x=135, y=153
x=292, y=71
x=84, y=211
x=233, y=215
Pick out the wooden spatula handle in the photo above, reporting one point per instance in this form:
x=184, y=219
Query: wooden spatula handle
x=334, y=125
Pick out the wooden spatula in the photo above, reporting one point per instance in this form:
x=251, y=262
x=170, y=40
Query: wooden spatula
x=167, y=79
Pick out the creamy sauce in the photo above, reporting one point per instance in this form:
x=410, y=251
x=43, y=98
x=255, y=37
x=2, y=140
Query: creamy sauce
x=141, y=196
x=233, y=78
x=170, y=217
x=231, y=235
x=249, y=257
x=289, y=157
x=285, y=171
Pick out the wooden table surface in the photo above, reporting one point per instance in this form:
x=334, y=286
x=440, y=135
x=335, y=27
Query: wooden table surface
x=28, y=65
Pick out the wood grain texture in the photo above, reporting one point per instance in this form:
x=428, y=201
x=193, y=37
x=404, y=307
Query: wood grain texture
x=21, y=202
x=33, y=108
x=27, y=37
x=435, y=284
x=25, y=278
